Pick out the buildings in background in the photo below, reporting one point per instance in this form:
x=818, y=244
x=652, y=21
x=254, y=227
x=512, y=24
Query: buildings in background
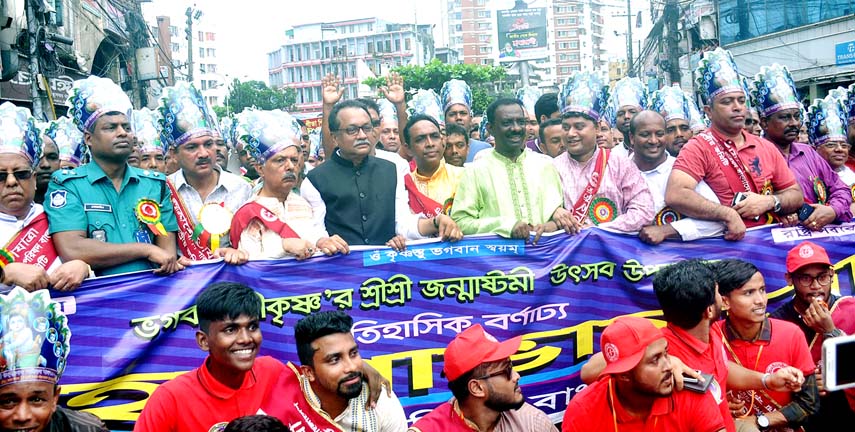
x=353, y=50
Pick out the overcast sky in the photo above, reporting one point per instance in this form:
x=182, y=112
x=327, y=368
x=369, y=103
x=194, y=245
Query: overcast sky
x=248, y=29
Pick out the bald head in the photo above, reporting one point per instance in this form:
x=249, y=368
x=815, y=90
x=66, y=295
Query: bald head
x=643, y=118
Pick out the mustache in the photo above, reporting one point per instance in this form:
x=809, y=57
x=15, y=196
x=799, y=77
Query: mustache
x=791, y=130
x=289, y=176
x=203, y=161
x=350, y=377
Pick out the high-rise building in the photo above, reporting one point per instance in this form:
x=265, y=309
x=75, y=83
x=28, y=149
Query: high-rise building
x=353, y=50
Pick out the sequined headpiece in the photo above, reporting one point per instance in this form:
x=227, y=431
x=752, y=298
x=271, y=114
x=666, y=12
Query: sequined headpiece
x=387, y=111
x=455, y=92
x=93, y=97
x=146, y=124
x=847, y=96
x=35, y=338
x=774, y=90
x=184, y=115
x=584, y=93
x=629, y=91
x=226, y=129
x=266, y=133
x=697, y=121
x=529, y=95
x=826, y=121
x=717, y=74
x=672, y=103
x=18, y=133
x=68, y=140
x=427, y=102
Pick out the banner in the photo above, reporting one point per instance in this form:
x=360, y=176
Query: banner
x=521, y=34
x=133, y=332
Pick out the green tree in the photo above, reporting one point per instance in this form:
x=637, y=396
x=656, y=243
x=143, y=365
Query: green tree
x=486, y=82
x=256, y=94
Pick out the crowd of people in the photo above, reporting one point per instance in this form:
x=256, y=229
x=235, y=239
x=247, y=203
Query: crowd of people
x=109, y=189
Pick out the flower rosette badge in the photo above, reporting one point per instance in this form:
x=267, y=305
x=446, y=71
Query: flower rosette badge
x=602, y=210
x=214, y=223
x=148, y=212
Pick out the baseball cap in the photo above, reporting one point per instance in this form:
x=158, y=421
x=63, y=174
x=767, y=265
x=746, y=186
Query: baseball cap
x=474, y=346
x=806, y=253
x=624, y=342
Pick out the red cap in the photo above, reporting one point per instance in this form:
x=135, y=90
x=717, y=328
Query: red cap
x=624, y=341
x=804, y=254
x=475, y=346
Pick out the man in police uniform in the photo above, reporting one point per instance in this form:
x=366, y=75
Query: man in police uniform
x=115, y=217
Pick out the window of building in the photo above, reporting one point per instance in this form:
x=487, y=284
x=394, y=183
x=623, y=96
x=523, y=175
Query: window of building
x=564, y=45
x=397, y=45
x=387, y=46
x=571, y=20
x=201, y=36
x=175, y=47
x=173, y=31
x=574, y=44
x=564, y=70
x=484, y=14
x=201, y=52
x=485, y=50
x=480, y=2
x=487, y=61
x=204, y=85
x=212, y=52
x=483, y=26
x=212, y=68
x=203, y=68
x=573, y=32
x=408, y=44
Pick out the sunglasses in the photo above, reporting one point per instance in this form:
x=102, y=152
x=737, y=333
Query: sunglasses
x=507, y=371
x=19, y=175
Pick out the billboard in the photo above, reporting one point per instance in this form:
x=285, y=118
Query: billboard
x=521, y=34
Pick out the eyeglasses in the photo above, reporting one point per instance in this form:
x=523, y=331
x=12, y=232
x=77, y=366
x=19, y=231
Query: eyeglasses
x=834, y=145
x=807, y=280
x=508, y=371
x=19, y=175
x=354, y=130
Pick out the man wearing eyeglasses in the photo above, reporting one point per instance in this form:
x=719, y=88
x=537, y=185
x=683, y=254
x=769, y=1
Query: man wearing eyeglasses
x=820, y=314
x=486, y=389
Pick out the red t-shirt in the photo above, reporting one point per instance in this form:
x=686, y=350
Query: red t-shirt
x=683, y=411
x=779, y=344
x=761, y=160
x=706, y=357
x=196, y=402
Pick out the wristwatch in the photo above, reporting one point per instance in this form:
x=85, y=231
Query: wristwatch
x=777, y=207
x=762, y=422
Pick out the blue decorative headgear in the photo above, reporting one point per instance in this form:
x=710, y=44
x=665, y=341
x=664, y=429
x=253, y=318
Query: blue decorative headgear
x=847, y=97
x=146, y=125
x=68, y=140
x=93, y=97
x=774, y=90
x=266, y=133
x=717, y=74
x=19, y=134
x=455, y=92
x=584, y=93
x=388, y=112
x=529, y=95
x=672, y=103
x=697, y=121
x=629, y=91
x=226, y=130
x=427, y=102
x=184, y=115
x=35, y=338
x=826, y=121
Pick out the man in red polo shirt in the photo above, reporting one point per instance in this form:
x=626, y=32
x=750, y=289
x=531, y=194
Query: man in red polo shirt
x=730, y=161
x=635, y=392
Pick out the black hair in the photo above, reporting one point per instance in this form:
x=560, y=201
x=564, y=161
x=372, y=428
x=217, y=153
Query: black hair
x=370, y=104
x=300, y=122
x=226, y=300
x=334, y=122
x=732, y=274
x=491, y=110
x=635, y=120
x=256, y=423
x=541, y=133
x=460, y=387
x=685, y=290
x=415, y=119
x=456, y=129
x=316, y=326
x=546, y=105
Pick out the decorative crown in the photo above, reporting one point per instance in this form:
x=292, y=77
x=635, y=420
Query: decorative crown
x=584, y=93
x=19, y=134
x=847, y=97
x=146, y=126
x=388, y=112
x=529, y=95
x=697, y=121
x=455, y=92
x=774, y=90
x=826, y=121
x=35, y=337
x=93, y=97
x=226, y=129
x=427, y=102
x=266, y=133
x=717, y=74
x=184, y=114
x=629, y=91
x=671, y=102
x=68, y=140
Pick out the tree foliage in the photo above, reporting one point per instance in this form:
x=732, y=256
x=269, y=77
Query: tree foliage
x=486, y=82
x=257, y=94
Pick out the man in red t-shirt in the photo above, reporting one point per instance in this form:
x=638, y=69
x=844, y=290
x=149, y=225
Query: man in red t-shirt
x=730, y=161
x=764, y=345
x=635, y=391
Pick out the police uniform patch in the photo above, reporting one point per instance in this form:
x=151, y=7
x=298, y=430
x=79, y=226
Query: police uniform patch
x=57, y=199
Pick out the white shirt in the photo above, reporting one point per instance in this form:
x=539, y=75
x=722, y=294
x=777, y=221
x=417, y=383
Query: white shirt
x=847, y=176
x=688, y=228
x=262, y=243
x=387, y=416
x=10, y=226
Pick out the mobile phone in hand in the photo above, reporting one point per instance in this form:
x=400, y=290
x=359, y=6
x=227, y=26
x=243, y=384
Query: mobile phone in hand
x=805, y=211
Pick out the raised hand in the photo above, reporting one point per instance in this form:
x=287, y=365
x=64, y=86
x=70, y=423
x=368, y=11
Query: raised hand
x=332, y=91
x=393, y=91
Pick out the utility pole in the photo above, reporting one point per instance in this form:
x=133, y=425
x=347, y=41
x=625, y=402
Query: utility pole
x=32, y=38
x=630, y=68
x=672, y=14
x=189, y=14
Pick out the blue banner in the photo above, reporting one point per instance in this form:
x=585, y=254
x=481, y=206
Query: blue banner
x=133, y=332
